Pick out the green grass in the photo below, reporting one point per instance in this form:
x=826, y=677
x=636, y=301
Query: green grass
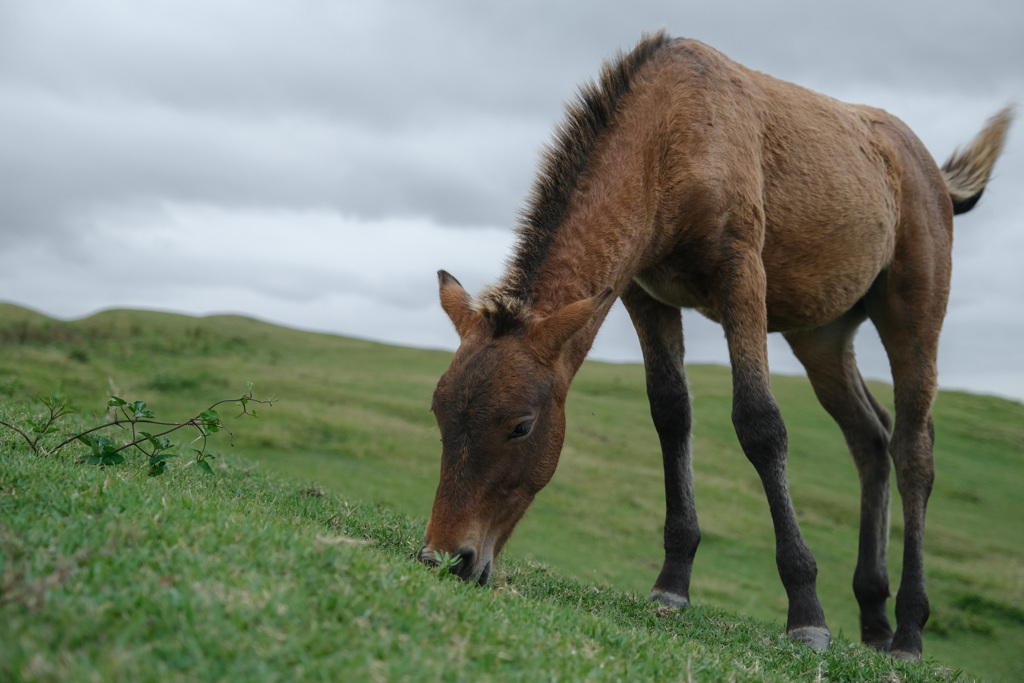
x=353, y=419
x=108, y=574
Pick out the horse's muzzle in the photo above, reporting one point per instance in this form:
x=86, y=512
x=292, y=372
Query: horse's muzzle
x=468, y=568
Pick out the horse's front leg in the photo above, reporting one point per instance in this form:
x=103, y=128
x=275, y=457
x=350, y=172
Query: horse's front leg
x=660, y=330
x=762, y=435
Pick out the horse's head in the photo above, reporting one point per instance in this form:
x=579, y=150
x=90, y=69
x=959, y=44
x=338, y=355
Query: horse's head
x=500, y=408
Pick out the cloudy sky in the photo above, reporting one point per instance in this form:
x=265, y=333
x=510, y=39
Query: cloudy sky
x=314, y=163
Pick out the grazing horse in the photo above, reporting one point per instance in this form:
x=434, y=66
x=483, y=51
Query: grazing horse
x=682, y=179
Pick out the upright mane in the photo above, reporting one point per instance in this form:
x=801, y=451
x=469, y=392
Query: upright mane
x=563, y=163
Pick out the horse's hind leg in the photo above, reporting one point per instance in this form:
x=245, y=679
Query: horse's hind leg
x=908, y=322
x=659, y=328
x=827, y=355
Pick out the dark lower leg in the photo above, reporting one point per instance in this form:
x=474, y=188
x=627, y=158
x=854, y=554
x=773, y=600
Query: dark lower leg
x=869, y=446
x=659, y=328
x=670, y=410
x=682, y=533
x=871, y=578
x=912, y=353
x=762, y=435
x=828, y=356
x=915, y=474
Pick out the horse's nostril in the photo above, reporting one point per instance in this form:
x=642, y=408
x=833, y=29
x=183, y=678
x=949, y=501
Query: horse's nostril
x=467, y=561
x=425, y=557
x=465, y=568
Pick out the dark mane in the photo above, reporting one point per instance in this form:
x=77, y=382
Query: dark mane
x=563, y=162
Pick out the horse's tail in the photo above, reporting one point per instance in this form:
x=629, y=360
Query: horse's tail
x=967, y=171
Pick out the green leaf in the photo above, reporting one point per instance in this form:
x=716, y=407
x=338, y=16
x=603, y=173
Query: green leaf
x=210, y=421
x=160, y=457
x=57, y=405
x=104, y=458
x=160, y=444
x=111, y=459
x=157, y=468
x=139, y=410
x=54, y=403
x=98, y=444
x=116, y=402
x=205, y=466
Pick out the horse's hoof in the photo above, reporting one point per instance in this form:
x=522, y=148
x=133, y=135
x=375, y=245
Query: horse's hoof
x=815, y=637
x=670, y=599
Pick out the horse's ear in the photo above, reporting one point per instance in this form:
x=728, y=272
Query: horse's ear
x=456, y=303
x=551, y=334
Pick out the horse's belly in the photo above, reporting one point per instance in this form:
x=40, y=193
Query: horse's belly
x=799, y=294
x=678, y=290
x=795, y=305
x=787, y=310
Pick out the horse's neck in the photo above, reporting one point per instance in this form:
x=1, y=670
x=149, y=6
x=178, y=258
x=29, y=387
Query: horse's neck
x=601, y=243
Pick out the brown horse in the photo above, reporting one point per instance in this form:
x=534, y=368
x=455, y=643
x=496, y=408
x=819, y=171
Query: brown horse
x=683, y=179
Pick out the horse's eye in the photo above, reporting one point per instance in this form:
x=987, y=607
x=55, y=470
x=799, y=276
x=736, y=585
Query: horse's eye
x=521, y=430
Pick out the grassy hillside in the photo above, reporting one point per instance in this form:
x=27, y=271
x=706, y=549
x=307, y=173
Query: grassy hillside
x=353, y=419
x=110, y=575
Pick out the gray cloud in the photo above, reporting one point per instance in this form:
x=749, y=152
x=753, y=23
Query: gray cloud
x=434, y=114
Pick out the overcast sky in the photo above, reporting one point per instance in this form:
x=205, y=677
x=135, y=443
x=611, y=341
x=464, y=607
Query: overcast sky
x=314, y=163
